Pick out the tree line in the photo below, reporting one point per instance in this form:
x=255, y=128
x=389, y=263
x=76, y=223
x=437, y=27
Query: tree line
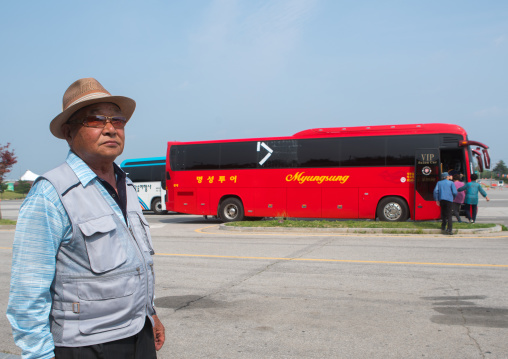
x=497, y=172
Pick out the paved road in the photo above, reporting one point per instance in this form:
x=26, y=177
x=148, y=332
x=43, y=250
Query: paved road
x=225, y=294
x=495, y=211
x=10, y=209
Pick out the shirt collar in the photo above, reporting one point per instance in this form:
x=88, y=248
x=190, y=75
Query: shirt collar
x=83, y=172
x=119, y=173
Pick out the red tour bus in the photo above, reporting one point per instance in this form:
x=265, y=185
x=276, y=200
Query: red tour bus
x=385, y=172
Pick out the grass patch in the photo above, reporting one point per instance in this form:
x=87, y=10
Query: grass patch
x=7, y=221
x=291, y=223
x=6, y=195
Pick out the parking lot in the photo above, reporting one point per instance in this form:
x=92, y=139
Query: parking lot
x=225, y=294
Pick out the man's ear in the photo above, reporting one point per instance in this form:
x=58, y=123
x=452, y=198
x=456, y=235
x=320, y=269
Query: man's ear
x=66, y=130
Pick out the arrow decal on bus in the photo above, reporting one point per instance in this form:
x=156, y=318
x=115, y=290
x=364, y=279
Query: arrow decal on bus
x=270, y=151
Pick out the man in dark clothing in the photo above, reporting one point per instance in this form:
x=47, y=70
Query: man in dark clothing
x=444, y=194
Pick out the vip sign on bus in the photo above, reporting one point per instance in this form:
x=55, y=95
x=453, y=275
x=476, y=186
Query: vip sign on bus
x=385, y=172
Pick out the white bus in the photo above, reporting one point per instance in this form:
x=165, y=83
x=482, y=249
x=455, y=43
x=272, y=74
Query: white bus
x=147, y=174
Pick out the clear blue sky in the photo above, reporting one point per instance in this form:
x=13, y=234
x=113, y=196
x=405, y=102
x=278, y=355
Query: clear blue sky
x=205, y=70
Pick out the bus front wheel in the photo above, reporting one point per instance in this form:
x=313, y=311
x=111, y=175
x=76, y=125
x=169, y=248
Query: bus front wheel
x=231, y=210
x=157, y=206
x=392, y=209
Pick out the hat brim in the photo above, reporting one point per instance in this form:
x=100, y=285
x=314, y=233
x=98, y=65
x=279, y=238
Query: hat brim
x=126, y=104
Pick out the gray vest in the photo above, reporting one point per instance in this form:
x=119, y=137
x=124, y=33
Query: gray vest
x=104, y=281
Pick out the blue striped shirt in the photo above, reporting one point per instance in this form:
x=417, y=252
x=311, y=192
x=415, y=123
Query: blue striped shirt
x=42, y=225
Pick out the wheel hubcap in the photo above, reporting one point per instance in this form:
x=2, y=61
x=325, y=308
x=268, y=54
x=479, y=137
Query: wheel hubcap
x=393, y=211
x=231, y=211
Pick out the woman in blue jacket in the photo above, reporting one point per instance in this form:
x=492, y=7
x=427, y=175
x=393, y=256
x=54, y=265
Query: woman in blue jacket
x=471, y=201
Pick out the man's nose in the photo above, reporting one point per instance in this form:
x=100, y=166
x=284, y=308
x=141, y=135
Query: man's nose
x=109, y=128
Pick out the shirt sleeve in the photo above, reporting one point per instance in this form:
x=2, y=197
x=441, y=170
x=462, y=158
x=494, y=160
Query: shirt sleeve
x=482, y=191
x=42, y=225
x=436, y=192
x=454, y=190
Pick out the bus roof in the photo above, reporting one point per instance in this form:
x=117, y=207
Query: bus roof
x=385, y=130
x=422, y=128
x=137, y=161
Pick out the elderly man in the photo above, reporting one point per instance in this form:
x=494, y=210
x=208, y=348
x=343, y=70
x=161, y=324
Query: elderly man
x=82, y=281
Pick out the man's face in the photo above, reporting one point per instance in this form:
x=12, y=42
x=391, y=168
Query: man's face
x=95, y=145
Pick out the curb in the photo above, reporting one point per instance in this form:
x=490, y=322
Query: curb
x=495, y=229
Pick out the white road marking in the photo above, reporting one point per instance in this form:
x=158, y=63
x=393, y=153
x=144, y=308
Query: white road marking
x=492, y=211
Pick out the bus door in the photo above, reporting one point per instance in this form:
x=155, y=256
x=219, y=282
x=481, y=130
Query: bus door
x=426, y=177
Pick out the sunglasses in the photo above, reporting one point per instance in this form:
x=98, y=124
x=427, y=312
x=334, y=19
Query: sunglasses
x=99, y=121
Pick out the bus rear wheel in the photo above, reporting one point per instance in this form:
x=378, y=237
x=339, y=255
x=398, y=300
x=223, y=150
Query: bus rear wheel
x=392, y=209
x=231, y=210
x=157, y=206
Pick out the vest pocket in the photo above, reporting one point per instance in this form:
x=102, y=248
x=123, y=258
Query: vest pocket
x=106, y=304
x=103, y=245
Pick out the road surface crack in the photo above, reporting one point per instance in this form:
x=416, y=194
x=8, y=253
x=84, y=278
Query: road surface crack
x=233, y=284
x=464, y=325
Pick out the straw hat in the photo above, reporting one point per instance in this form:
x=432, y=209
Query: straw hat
x=86, y=92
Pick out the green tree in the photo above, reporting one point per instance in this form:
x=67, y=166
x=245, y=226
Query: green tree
x=500, y=168
x=23, y=187
x=7, y=160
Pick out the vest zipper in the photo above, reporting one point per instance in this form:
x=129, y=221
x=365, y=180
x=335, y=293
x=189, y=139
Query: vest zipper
x=153, y=280
x=140, y=252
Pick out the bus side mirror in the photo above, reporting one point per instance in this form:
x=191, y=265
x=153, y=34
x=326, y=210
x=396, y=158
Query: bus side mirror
x=478, y=156
x=486, y=157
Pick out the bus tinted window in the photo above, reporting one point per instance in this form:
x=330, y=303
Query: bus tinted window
x=137, y=174
x=283, y=155
x=317, y=152
x=195, y=157
x=322, y=152
x=362, y=151
x=401, y=149
x=158, y=172
x=234, y=155
x=145, y=173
